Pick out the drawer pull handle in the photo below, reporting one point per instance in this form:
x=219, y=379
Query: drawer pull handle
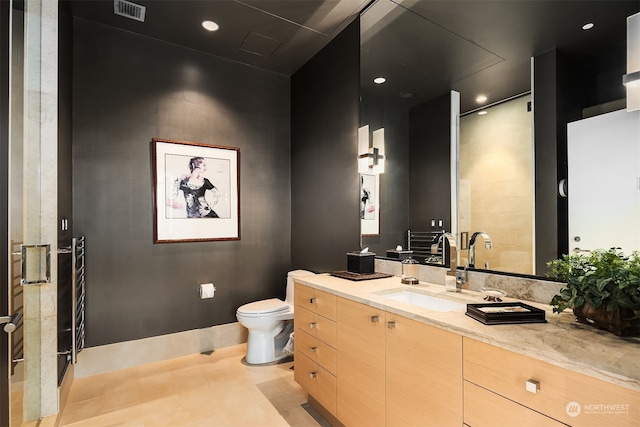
x=313, y=374
x=532, y=386
x=391, y=325
x=375, y=319
x=312, y=325
x=313, y=349
x=312, y=300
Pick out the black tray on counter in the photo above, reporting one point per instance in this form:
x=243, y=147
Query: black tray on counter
x=357, y=277
x=503, y=313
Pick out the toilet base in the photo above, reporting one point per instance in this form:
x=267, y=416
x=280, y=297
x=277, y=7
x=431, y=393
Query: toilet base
x=264, y=347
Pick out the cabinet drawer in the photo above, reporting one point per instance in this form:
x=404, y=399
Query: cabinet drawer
x=506, y=373
x=317, y=381
x=316, y=350
x=314, y=300
x=483, y=408
x=316, y=325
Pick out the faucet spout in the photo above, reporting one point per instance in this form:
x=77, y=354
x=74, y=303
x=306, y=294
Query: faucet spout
x=453, y=254
x=450, y=285
x=472, y=246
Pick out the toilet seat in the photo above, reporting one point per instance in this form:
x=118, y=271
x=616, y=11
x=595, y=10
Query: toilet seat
x=264, y=307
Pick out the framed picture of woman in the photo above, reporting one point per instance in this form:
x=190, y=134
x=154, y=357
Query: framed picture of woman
x=369, y=204
x=196, y=191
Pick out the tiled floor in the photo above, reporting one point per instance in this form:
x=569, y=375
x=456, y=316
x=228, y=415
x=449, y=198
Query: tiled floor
x=216, y=390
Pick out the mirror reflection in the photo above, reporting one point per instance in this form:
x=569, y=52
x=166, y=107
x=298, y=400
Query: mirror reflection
x=426, y=49
x=496, y=185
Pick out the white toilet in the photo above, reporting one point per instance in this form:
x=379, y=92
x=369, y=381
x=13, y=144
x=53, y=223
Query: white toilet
x=270, y=322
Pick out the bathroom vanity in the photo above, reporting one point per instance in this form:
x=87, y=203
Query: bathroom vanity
x=369, y=358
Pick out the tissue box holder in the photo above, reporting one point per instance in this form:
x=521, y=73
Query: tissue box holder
x=392, y=253
x=361, y=263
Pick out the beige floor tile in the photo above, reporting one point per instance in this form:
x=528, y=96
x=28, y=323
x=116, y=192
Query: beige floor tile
x=215, y=390
x=127, y=414
x=120, y=395
x=87, y=389
x=82, y=411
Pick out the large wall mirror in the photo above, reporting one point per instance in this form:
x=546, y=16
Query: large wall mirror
x=426, y=49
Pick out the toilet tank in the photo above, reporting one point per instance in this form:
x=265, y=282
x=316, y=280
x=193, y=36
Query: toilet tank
x=290, y=276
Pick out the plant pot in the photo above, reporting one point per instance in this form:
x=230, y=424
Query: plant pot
x=617, y=321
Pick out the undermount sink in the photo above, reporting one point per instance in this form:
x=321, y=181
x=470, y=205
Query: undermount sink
x=424, y=301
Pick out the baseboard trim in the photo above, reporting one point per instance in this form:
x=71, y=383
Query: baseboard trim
x=112, y=357
x=324, y=412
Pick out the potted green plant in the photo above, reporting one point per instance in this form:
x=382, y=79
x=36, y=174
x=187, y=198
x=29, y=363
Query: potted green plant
x=602, y=288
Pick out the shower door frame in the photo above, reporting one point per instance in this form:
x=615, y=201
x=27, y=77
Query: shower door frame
x=4, y=207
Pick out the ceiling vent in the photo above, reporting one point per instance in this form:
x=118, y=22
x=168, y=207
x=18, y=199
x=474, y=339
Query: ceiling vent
x=129, y=10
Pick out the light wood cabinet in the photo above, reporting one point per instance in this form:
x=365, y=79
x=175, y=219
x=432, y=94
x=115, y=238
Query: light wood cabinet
x=485, y=408
x=315, y=300
x=361, y=364
x=423, y=374
x=567, y=396
x=317, y=381
x=395, y=371
x=314, y=348
x=369, y=367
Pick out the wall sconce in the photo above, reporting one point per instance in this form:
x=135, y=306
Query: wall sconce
x=632, y=79
x=371, y=155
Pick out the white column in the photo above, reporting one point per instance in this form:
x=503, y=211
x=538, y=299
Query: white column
x=40, y=208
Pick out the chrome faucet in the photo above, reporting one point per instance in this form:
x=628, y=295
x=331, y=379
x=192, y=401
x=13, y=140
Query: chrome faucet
x=453, y=257
x=472, y=246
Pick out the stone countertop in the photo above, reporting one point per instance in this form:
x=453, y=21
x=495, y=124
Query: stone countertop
x=561, y=341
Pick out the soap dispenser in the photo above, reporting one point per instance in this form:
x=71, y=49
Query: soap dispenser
x=409, y=272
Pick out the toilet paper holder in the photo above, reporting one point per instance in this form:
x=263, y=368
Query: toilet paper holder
x=206, y=290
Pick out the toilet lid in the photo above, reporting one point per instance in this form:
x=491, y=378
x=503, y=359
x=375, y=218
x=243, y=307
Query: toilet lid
x=267, y=306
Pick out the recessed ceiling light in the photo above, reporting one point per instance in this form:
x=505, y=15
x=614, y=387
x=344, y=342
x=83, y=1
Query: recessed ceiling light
x=482, y=113
x=210, y=25
x=379, y=80
x=481, y=98
x=588, y=26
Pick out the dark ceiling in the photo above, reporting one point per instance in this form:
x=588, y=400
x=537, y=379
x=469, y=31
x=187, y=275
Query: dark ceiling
x=277, y=35
x=484, y=47
x=423, y=47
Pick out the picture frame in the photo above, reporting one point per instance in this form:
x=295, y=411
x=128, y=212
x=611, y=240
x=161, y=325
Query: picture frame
x=196, y=191
x=369, y=204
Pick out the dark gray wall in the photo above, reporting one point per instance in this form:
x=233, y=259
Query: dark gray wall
x=128, y=90
x=65, y=191
x=430, y=164
x=325, y=221
x=394, y=182
x=545, y=158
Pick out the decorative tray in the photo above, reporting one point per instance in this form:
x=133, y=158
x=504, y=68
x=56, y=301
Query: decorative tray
x=502, y=313
x=355, y=276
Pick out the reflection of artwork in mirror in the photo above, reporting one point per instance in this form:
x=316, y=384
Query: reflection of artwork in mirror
x=370, y=204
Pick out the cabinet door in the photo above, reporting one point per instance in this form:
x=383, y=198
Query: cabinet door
x=316, y=350
x=567, y=396
x=315, y=325
x=423, y=374
x=361, y=366
x=315, y=300
x=483, y=408
x=317, y=381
